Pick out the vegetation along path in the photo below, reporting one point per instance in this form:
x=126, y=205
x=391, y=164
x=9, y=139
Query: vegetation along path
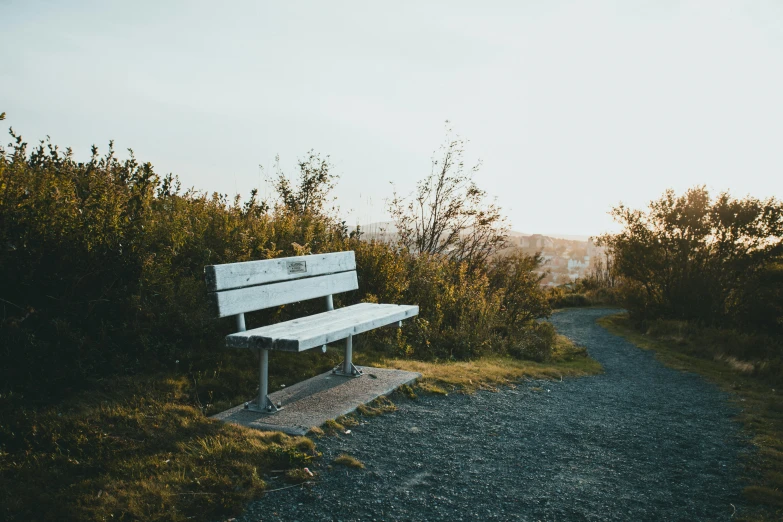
x=639, y=442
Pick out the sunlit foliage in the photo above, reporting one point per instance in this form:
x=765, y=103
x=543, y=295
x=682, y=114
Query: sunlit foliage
x=717, y=261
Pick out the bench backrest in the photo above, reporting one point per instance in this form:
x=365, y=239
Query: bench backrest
x=237, y=288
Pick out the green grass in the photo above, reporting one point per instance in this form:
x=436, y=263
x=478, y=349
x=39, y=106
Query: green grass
x=754, y=383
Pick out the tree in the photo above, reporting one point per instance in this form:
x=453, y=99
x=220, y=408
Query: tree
x=600, y=273
x=304, y=205
x=316, y=181
x=448, y=214
x=692, y=257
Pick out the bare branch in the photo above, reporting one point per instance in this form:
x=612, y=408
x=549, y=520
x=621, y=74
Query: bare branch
x=447, y=214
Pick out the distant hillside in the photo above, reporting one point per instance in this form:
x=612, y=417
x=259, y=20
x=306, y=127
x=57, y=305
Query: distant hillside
x=569, y=237
x=387, y=230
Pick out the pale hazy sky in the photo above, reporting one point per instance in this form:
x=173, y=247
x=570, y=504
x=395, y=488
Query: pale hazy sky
x=572, y=106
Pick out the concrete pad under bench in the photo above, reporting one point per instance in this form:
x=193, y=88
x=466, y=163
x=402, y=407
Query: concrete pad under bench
x=319, y=399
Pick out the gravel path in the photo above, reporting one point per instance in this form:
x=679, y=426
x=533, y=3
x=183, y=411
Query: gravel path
x=639, y=442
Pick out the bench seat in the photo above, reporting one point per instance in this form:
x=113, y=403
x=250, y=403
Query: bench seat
x=298, y=335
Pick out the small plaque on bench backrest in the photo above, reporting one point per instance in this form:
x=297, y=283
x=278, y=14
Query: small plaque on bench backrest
x=233, y=276
x=296, y=267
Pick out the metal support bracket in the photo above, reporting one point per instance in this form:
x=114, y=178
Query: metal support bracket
x=268, y=409
x=346, y=368
x=339, y=371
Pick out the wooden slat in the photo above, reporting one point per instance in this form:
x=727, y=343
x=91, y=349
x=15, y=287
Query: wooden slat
x=354, y=315
x=310, y=321
x=323, y=328
x=251, y=273
x=344, y=329
x=346, y=316
x=243, y=300
x=274, y=331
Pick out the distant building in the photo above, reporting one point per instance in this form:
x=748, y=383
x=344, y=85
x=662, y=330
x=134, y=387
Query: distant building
x=537, y=242
x=578, y=264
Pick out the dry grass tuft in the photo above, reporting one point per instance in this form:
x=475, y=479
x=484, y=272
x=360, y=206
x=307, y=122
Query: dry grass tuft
x=741, y=366
x=315, y=431
x=348, y=461
x=407, y=391
x=380, y=405
x=305, y=445
x=332, y=427
x=348, y=421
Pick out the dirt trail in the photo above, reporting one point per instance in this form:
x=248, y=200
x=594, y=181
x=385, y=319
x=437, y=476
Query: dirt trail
x=639, y=442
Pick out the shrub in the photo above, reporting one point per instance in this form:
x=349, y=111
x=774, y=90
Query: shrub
x=565, y=300
x=523, y=298
x=101, y=264
x=603, y=296
x=535, y=343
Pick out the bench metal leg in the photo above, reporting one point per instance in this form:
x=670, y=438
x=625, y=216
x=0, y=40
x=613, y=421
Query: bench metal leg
x=263, y=404
x=263, y=388
x=346, y=368
x=329, y=308
x=348, y=361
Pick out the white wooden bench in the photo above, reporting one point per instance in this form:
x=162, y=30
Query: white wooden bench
x=238, y=288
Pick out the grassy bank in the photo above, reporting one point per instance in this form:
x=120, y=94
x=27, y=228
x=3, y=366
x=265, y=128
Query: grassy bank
x=568, y=360
x=142, y=448
x=138, y=450
x=755, y=384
